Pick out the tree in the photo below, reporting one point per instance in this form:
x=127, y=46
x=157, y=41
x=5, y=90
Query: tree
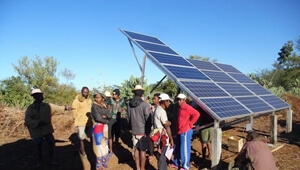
x=289, y=61
x=128, y=85
x=168, y=87
x=15, y=93
x=285, y=74
x=285, y=54
x=39, y=73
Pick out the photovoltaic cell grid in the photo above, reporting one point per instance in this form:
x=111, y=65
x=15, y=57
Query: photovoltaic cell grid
x=156, y=47
x=205, y=89
x=235, y=89
x=275, y=101
x=170, y=59
x=221, y=88
x=204, y=65
x=186, y=73
x=255, y=104
x=225, y=107
x=227, y=68
x=218, y=76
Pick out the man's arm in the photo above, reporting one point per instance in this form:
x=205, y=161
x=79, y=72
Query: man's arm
x=168, y=130
x=75, y=106
x=147, y=111
x=194, y=115
x=29, y=121
x=55, y=109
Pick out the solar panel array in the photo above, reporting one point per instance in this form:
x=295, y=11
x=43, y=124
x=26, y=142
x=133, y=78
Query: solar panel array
x=222, y=90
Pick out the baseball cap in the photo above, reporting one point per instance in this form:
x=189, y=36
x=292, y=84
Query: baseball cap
x=164, y=96
x=181, y=96
x=35, y=91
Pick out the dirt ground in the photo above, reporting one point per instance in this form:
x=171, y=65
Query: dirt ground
x=17, y=149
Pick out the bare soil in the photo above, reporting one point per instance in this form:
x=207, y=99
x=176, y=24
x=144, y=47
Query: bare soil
x=17, y=149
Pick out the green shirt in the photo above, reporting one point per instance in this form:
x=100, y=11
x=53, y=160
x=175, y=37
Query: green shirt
x=116, y=106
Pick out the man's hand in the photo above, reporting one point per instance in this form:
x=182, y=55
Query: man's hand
x=171, y=143
x=41, y=123
x=68, y=108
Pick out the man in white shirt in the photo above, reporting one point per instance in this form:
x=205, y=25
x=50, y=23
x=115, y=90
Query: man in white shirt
x=163, y=125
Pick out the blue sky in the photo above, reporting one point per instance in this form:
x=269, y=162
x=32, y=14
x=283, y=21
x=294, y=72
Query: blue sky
x=84, y=36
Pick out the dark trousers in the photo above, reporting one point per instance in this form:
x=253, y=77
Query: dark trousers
x=162, y=161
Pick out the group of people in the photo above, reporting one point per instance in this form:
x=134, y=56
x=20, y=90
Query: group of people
x=101, y=120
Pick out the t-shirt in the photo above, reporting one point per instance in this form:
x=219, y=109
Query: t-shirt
x=160, y=117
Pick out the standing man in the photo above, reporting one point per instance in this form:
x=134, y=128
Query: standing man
x=82, y=119
x=38, y=121
x=163, y=125
x=187, y=116
x=138, y=114
x=117, y=106
x=155, y=104
x=205, y=134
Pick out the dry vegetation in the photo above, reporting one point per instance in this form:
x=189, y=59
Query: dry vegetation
x=17, y=149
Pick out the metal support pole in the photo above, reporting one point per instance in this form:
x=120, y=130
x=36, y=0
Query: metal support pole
x=143, y=70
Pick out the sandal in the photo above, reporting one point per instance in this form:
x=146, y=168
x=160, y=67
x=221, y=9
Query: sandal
x=173, y=166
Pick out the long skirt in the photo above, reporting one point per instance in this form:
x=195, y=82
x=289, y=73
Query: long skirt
x=100, y=145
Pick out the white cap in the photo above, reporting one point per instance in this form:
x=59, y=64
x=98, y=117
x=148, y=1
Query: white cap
x=181, y=96
x=107, y=94
x=164, y=96
x=34, y=91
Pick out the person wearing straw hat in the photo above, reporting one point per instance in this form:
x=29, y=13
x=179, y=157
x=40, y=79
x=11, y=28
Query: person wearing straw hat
x=138, y=116
x=38, y=121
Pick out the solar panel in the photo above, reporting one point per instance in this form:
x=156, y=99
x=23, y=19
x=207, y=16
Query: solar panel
x=225, y=107
x=227, y=68
x=204, y=65
x=257, y=89
x=157, y=48
x=276, y=102
x=235, y=89
x=241, y=78
x=170, y=59
x=255, y=104
x=218, y=76
x=205, y=89
x=186, y=73
x=220, y=89
x=143, y=37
